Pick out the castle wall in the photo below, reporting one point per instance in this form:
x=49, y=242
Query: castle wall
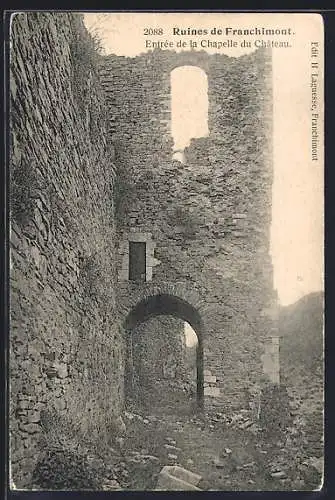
x=156, y=354
x=66, y=353
x=205, y=224
x=207, y=221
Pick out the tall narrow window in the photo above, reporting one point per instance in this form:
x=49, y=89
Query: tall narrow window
x=137, y=261
x=189, y=107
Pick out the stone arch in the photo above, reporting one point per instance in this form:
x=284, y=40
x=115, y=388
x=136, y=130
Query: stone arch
x=190, y=58
x=181, y=289
x=173, y=301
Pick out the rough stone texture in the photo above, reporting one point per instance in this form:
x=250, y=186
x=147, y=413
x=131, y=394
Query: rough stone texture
x=158, y=348
x=183, y=474
x=302, y=362
x=271, y=365
x=168, y=481
x=210, y=217
x=208, y=221
x=65, y=348
x=156, y=358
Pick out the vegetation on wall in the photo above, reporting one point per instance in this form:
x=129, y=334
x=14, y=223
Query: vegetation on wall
x=61, y=469
x=274, y=417
x=85, y=55
x=60, y=208
x=63, y=463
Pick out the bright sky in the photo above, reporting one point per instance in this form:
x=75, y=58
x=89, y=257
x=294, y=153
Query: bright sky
x=297, y=213
x=189, y=105
x=190, y=335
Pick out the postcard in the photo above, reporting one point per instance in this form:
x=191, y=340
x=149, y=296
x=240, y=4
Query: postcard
x=166, y=251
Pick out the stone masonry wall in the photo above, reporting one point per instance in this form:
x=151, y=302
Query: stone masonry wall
x=158, y=349
x=66, y=353
x=208, y=219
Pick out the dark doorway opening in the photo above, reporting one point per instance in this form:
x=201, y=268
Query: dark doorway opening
x=157, y=358
x=137, y=261
x=161, y=374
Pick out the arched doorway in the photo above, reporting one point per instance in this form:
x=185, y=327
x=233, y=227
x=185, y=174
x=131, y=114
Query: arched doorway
x=168, y=306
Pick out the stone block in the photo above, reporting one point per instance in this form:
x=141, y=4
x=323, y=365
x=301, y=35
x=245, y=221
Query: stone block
x=239, y=216
x=183, y=474
x=62, y=371
x=31, y=368
x=33, y=417
x=36, y=348
x=148, y=276
x=111, y=485
x=29, y=428
x=125, y=260
x=151, y=245
x=152, y=261
x=271, y=349
x=60, y=404
x=167, y=482
x=211, y=379
x=137, y=236
x=123, y=275
x=23, y=404
x=212, y=391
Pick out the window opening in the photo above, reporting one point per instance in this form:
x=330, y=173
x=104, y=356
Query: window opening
x=137, y=261
x=189, y=107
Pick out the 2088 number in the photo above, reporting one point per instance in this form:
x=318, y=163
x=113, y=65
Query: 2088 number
x=153, y=31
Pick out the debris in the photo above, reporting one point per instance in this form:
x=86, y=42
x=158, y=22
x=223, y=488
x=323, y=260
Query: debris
x=317, y=463
x=218, y=464
x=298, y=484
x=111, y=485
x=177, y=478
x=120, y=442
x=151, y=458
x=128, y=415
x=172, y=457
x=250, y=464
x=29, y=428
x=167, y=482
x=138, y=458
x=240, y=456
x=246, y=424
x=278, y=475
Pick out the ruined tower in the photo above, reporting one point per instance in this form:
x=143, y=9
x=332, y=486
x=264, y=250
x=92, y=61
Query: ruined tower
x=198, y=230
